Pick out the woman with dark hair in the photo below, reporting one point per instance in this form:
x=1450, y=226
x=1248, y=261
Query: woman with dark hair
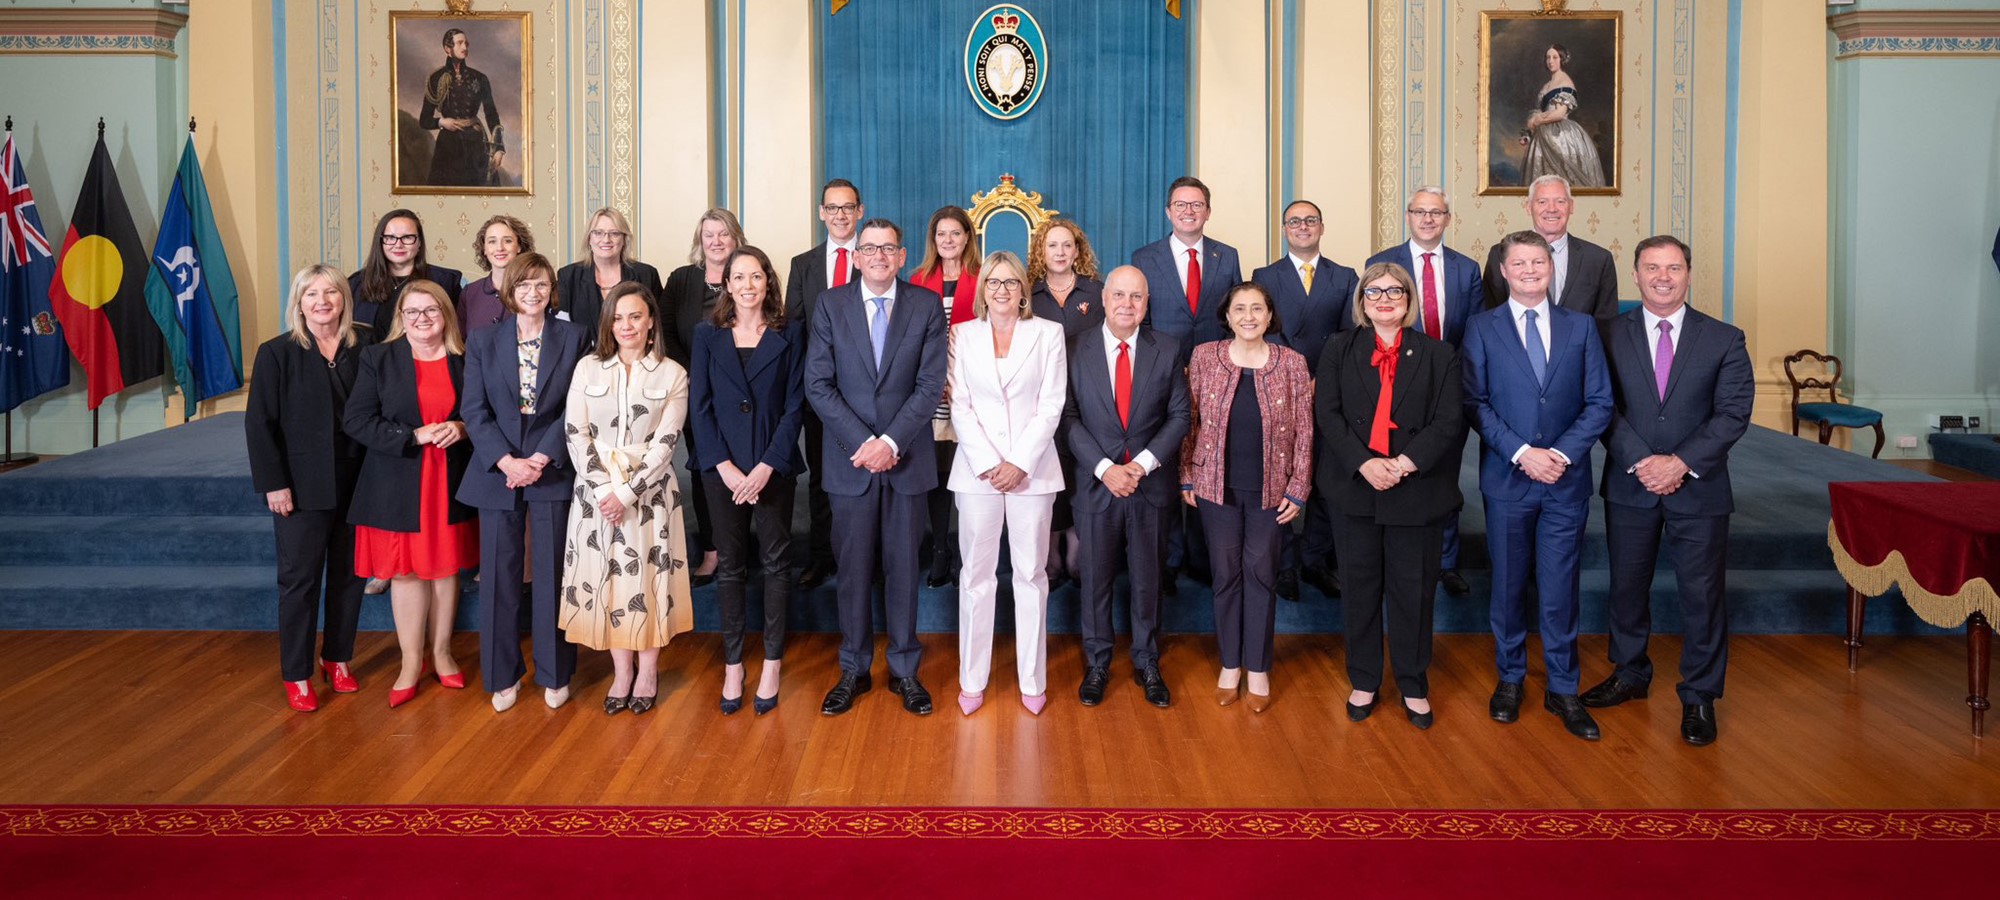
x=305, y=467
x=606, y=263
x=482, y=302
x=1247, y=466
x=1557, y=144
x=951, y=270
x=396, y=255
x=693, y=292
x=408, y=526
x=1062, y=270
x=747, y=401
x=1390, y=407
x=626, y=587
x=516, y=381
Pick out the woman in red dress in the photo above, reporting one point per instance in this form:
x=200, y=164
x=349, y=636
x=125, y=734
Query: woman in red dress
x=408, y=528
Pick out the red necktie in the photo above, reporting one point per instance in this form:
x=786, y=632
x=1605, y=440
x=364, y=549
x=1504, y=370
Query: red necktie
x=1194, y=281
x=1121, y=388
x=840, y=266
x=1432, y=326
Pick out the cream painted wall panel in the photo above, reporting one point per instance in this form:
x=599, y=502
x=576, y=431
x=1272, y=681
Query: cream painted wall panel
x=1334, y=157
x=674, y=129
x=779, y=129
x=1231, y=146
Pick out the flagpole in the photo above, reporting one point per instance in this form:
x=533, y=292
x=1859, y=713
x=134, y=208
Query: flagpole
x=9, y=460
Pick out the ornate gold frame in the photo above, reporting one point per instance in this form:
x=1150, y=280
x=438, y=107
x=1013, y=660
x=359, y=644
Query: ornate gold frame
x=1552, y=10
x=1006, y=197
x=523, y=140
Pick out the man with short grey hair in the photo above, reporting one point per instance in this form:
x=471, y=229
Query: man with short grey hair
x=1586, y=277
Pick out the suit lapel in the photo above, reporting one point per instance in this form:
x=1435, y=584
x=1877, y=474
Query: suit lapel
x=770, y=348
x=900, y=315
x=1091, y=348
x=1407, y=364
x=1517, y=349
x=1026, y=339
x=1561, y=328
x=1633, y=334
x=550, y=359
x=1572, y=267
x=1685, y=345
x=858, y=323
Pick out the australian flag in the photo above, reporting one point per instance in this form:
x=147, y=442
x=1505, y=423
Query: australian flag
x=192, y=294
x=33, y=358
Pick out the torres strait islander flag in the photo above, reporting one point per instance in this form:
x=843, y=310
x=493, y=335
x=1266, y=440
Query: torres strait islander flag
x=192, y=293
x=32, y=359
x=100, y=289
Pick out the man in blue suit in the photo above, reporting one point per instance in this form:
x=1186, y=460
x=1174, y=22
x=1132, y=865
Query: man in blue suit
x=1683, y=387
x=1314, y=297
x=875, y=371
x=1188, y=275
x=1448, y=293
x=1537, y=388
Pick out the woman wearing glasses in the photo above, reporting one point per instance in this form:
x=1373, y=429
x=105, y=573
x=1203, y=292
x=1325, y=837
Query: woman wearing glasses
x=516, y=380
x=501, y=239
x=607, y=262
x=694, y=292
x=951, y=270
x=1389, y=406
x=1247, y=466
x=1009, y=378
x=395, y=257
x=408, y=526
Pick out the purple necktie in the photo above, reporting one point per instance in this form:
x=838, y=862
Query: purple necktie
x=1663, y=358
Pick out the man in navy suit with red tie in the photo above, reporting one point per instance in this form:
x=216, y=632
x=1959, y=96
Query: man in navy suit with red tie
x=1537, y=389
x=1448, y=293
x=830, y=264
x=1683, y=387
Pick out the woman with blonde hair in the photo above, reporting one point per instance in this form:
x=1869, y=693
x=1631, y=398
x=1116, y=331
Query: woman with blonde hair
x=606, y=263
x=693, y=292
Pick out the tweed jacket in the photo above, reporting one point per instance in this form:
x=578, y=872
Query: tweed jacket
x=1284, y=398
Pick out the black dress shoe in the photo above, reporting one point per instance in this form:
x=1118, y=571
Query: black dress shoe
x=1095, y=678
x=841, y=698
x=1454, y=583
x=1421, y=720
x=1359, y=713
x=1322, y=579
x=1611, y=692
x=1170, y=582
x=1506, y=703
x=730, y=705
x=1576, y=719
x=1155, y=686
x=915, y=698
x=816, y=573
x=1698, y=723
x=939, y=576
x=1288, y=585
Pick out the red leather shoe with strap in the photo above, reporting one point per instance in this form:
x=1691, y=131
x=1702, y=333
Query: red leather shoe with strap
x=342, y=678
x=299, y=695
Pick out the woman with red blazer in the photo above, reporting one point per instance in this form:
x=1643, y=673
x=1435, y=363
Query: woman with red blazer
x=950, y=270
x=1247, y=466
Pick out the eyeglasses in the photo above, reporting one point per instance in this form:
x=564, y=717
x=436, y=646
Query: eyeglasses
x=541, y=286
x=1188, y=205
x=428, y=312
x=1302, y=222
x=598, y=235
x=840, y=209
x=878, y=249
x=398, y=240
x=1392, y=292
x=996, y=285
x=1429, y=213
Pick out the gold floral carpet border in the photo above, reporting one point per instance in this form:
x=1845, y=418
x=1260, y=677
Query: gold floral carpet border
x=1099, y=824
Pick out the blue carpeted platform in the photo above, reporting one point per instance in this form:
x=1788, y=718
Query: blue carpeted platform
x=164, y=531
x=1971, y=452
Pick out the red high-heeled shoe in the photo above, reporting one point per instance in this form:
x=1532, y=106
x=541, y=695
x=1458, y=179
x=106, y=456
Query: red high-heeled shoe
x=455, y=681
x=338, y=675
x=299, y=695
x=400, y=696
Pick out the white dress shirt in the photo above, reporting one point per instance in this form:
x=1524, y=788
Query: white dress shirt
x=1559, y=268
x=1181, y=256
x=1520, y=316
x=1653, y=332
x=833, y=259
x=1144, y=457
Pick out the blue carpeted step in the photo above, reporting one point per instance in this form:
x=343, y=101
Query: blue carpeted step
x=201, y=468
x=1971, y=452
x=137, y=541
x=212, y=598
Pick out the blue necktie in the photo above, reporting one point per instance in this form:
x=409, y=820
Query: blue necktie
x=1538, y=357
x=878, y=327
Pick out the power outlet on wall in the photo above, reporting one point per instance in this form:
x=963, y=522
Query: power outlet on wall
x=1906, y=443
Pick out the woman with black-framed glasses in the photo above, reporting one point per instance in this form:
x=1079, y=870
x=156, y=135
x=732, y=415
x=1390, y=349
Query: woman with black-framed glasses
x=396, y=256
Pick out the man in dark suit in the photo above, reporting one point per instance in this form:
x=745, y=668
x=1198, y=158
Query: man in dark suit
x=1683, y=387
x=875, y=371
x=1537, y=389
x=1314, y=297
x=1191, y=274
x=1585, y=276
x=1126, y=416
x=830, y=264
x=1448, y=293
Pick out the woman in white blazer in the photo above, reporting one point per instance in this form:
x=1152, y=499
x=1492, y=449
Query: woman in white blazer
x=1009, y=378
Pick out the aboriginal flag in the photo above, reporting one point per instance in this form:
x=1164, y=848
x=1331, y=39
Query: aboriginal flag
x=99, y=292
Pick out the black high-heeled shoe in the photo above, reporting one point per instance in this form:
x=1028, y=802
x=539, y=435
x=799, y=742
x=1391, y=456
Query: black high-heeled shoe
x=1358, y=713
x=640, y=705
x=731, y=704
x=763, y=705
x=614, y=705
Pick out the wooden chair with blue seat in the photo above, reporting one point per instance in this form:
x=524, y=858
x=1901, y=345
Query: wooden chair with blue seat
x=1833, y=413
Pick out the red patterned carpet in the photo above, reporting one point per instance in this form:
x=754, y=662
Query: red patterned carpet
x=227, y=851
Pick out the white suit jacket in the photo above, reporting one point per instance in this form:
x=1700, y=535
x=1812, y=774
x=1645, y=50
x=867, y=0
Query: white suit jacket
x=1011, y=419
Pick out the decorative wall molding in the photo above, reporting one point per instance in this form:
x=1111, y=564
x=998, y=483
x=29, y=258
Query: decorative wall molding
x=119, y=31
x=1916, y=33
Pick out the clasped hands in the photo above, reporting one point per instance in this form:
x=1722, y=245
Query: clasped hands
x=875, y=456
x=522, y=472
x=1543, y=464
x=1123, y=480
x=1383, y=472
x=1006, y=477
x=1661, y=474
x=744, y=490
x=441, y=434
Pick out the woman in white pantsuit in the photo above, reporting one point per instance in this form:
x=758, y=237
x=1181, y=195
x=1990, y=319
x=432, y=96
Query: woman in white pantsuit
x=1009, y=377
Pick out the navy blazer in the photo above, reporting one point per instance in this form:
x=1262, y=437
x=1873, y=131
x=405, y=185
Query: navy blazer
x=1158, y=417
x=492, y=407
x=748, y=413
x=378, y=315
x=1511, y=410
x=1590, y=283
x=1710, y=388
x=381, y=414
x=1167, y=304
x=1309, y=320
x=1459, y=283
x=857, y=402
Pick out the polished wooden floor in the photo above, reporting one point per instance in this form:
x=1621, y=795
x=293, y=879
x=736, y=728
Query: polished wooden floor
x=177, y=717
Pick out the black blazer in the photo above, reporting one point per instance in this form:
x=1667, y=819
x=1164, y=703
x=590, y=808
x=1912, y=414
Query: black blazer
x=684, y=305
x=378, y=315
x=1159, y=416
x=577, y=295
x=1428, y=408
x=807, y=280
x=748, y=413
x=1590, y=285
x=293, y=428
x=1084, y=311
x=1710, y=388
x=381, y=414
x=491, y=407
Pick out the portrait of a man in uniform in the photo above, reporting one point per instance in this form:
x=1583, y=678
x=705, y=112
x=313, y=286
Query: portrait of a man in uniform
x=459, y=126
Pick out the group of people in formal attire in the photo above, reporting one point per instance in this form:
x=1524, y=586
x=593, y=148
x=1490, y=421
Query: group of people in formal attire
x=1167, y=416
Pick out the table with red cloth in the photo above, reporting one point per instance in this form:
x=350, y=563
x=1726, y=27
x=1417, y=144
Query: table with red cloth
x=1937, y=541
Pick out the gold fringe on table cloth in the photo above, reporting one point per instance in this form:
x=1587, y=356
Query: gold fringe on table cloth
x=1942, y=610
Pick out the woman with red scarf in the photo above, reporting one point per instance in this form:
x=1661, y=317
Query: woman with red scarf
x=950, y=270
x=1390, y=411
